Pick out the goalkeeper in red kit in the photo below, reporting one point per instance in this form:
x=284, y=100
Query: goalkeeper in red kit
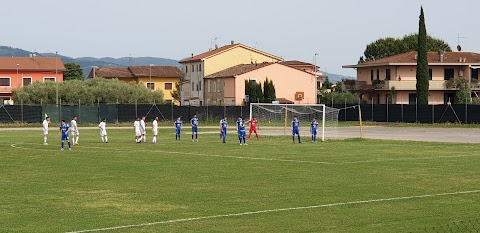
x=253, y=128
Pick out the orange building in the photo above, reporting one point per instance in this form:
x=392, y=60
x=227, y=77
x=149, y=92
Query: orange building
x=22, y=71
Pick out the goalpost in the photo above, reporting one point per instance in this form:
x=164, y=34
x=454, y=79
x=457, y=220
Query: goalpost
x=277, y=117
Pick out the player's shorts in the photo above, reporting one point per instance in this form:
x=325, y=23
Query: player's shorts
x=75, y=133
x=178, y=130
x=142, y=132
x=254, y=130
x=65, y=137
x=242, y=133
x=138, y=133
x=295, y=131
x=155, y=132
x=314, y=131
x=195, y=129
x=45, y=131
x=103, y=133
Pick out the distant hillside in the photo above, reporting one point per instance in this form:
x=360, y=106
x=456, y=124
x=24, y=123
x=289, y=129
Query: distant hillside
x=336, y=77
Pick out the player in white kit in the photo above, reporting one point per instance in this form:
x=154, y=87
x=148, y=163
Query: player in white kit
x=155, y=130
x=45, y=129
x=136, y=130
x=143, y=129
x=103, y=130
x=74, y=130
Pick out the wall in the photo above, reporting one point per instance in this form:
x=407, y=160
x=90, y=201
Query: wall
x=17, y=81
x=287, y=82
x=160, y=85
x=214, y=91
x=233, y=57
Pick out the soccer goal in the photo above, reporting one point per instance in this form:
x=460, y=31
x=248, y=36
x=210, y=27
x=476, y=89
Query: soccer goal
x=278, y=118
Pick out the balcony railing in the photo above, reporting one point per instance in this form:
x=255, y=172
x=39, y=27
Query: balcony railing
x=404, y=85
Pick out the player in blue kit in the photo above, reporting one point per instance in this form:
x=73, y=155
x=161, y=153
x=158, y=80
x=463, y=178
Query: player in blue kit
x=194, y=122
x=242, y=132
x=314, y=127
x=238, y=127
x=296, y=129
x=223, y=129
x=178, y=128
x=64, y=130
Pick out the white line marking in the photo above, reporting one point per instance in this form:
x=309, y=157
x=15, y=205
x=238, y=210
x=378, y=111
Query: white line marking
x=271, y=159
x=277, y=210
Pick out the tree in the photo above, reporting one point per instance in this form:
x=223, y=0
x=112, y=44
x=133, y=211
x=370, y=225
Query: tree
x=338, y=98
x=73, y=71
x=327, y=84
x=389, y=46
x=422, y=63
x=269, y=91
x=176, y=92
x=464, y=91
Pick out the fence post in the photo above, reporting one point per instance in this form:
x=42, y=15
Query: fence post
x=433, y=113
x=21, y=108
x=98, y=110
x=372, y=109
x=416, y=110
x=387, y=108
x=136, y=114
x=79, y=111
x=172, y=110
x=466, y=111
x=401, y=109
x=345, y=109
x=207, y=113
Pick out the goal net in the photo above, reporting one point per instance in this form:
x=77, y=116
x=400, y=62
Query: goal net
x=276, y=118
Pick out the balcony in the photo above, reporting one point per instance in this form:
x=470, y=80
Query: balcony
x=354, y=85
x=411, y=85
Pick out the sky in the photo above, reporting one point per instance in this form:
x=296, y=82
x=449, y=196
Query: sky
x=337, y=30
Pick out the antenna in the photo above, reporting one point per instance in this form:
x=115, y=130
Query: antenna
x=213, y=42
x=459, y=47
x=130, y=59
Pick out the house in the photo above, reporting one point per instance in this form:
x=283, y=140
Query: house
x=22, y=71
x=162, y=78
x=393, y=79
x=307, y=67
x=197, y=67
x=227, y=87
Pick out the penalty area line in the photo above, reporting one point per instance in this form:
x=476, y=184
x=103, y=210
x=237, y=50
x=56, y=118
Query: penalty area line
x=279, y=210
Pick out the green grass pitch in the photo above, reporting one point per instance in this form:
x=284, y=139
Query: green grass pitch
x=201, y=186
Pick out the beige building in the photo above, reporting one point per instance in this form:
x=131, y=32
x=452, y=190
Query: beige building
x=197, y=67
x=376, y=79
x=227, y=87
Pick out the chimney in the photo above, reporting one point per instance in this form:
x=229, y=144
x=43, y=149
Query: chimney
x=232, y=42
x=192, y=54
x=441, y=55
x=216, y=46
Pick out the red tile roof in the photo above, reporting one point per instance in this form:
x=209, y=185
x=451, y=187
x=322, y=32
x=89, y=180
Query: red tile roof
x=210, y=53
x=137, y=71
x=32, y=63
x=157, y=71
x=433, y=59
x=296, y=63
x=238, y=70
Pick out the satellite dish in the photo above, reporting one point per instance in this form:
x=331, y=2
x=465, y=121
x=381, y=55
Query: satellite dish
x=459, y=48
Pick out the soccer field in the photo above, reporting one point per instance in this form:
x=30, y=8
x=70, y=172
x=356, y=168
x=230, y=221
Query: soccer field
x=270, y=185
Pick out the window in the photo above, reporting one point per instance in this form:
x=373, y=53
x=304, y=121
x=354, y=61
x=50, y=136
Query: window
x=151, y=86
x=387, y=74
x=49, y=79
x=26, y=81
x=474, y=74
x=193, y=86
x=168, y=87
x=186, y=69
x=430, y=71
x=218, y=86
x=214, y=86
x=412, y=98
x=193, y=68
x=208, y=86
x=378, y=74
x=4, y=82
x=448, y=74
x=200, y=67
x=200, y=85
x=371, y=75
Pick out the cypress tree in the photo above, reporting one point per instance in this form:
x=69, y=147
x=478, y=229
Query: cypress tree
x=266, y=93
x=422, y=62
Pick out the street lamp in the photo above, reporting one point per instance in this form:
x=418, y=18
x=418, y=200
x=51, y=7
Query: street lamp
x=56, y=76
x=17, y=71
x=151, y=73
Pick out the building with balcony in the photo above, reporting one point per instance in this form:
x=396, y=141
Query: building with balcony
x=393, y=79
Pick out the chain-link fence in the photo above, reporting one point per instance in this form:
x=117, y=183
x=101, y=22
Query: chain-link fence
x=115, y=112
